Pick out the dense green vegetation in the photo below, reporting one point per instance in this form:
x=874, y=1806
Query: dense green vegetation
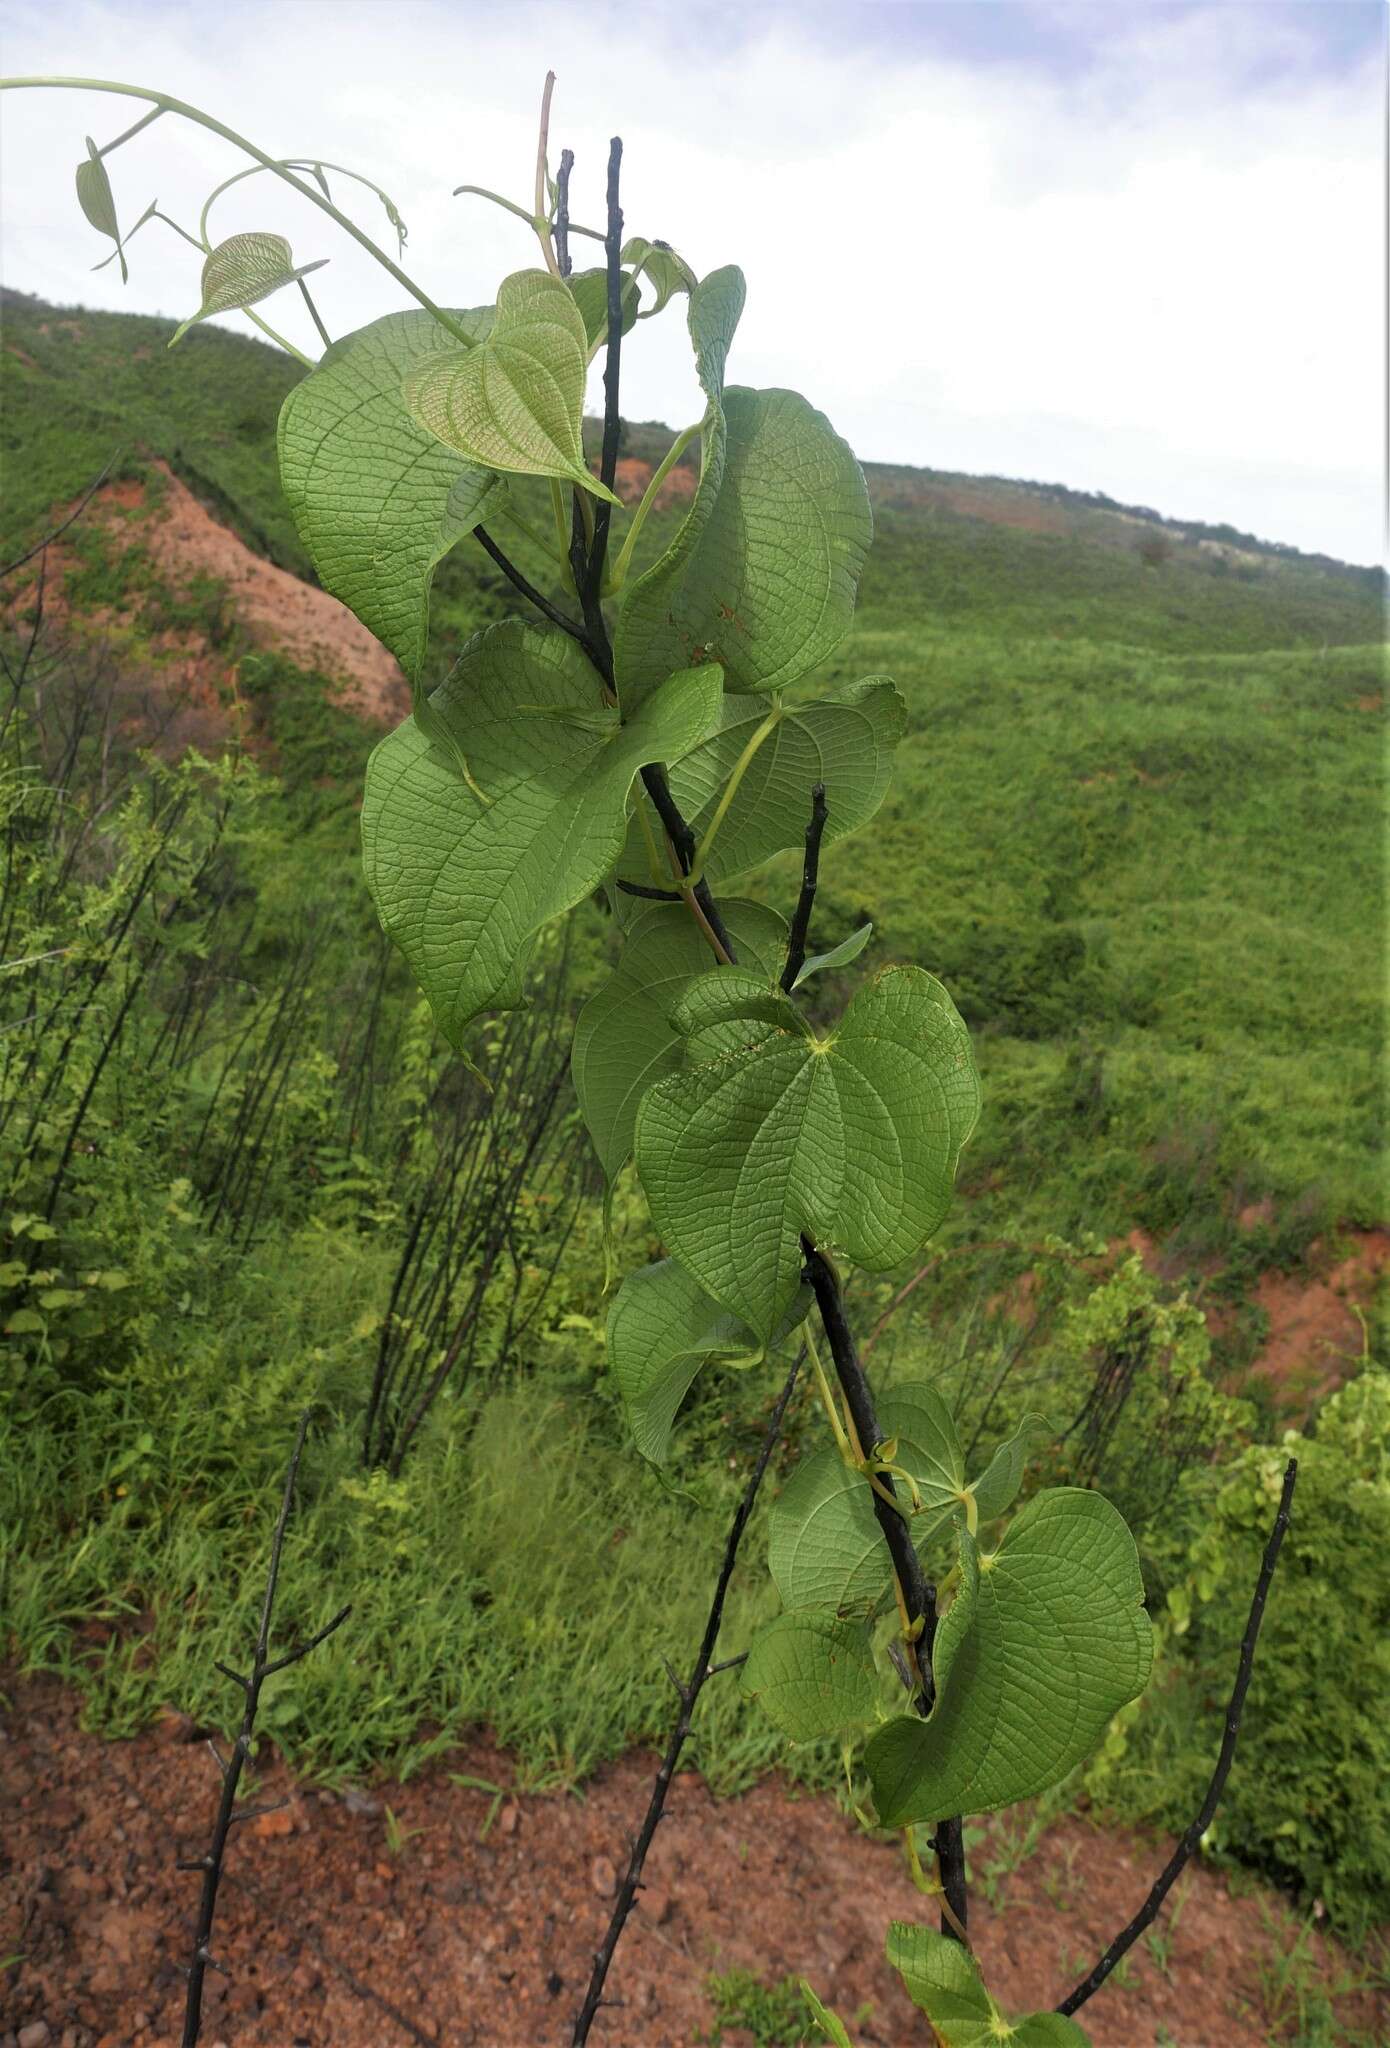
x=1150, y=874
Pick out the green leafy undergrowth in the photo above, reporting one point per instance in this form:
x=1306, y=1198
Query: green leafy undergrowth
x=1309, y=1798
x=475, y=1586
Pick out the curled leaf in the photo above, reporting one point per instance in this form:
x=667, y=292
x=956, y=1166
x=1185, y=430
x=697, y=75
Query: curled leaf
x=665, y=271
x=515, y=402
x=242, y=271
x=95, y=197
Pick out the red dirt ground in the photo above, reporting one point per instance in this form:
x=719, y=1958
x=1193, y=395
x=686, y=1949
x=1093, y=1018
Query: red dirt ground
x=633, y=475
x=480, y=1938
x=274, y=607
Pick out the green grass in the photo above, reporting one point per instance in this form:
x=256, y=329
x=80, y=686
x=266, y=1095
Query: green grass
x=490, y=1585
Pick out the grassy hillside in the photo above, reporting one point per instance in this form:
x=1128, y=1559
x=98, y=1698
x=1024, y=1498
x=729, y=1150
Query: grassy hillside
x=1137, y=827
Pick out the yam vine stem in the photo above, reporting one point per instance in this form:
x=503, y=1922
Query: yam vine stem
x=919, y=1597
x=263, y=1667
x=1172, y=1870
x=689, y=1694
x=805, y=902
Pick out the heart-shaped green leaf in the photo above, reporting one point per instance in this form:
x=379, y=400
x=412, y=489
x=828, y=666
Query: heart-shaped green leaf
x=662, y=1328
x=943, y=1980
x=242, y=271
x=825, y=1548
x=378, y=502
x=516, y=401
x=848, y=743
x=766, y=586
x=853, y=1138
x=667, y=272
x=813, y=1675
x=625, y=1037
x=1045, y=1642
x=475, y=839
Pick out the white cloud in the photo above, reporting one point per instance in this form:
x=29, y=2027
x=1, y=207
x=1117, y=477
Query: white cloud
x=1157, y=276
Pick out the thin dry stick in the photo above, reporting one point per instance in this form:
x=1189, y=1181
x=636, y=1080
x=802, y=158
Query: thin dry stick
x=75, y=514
x=263, y=1668
x=562, y=212
x=689, y=1694
x=1172, y=1870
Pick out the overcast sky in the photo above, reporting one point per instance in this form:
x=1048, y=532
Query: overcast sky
x=1134, y=248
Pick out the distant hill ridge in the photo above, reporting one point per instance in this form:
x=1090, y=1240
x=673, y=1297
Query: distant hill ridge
x=210, y=408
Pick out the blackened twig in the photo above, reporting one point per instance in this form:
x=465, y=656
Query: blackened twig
x=562, y=212
x=919, y=1598
x=227, y=1815
x=527, y=589
x=683, y=845
x=805, y=902
x=1173, y=1868
x=654, y=895
x=689, y=1694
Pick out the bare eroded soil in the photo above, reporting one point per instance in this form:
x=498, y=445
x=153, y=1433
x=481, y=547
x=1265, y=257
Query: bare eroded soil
x=470, y=1933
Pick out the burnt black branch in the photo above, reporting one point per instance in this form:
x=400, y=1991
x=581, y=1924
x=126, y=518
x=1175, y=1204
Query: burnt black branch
x=688, y=1694
x=1172, y=1870
x=228, y=1813
x=805, y=902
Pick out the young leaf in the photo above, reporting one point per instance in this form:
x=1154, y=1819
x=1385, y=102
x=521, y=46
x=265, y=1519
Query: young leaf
x=848, y=743
x=463, y=879
x=590, y=289
x=829, y=2022
x=825, y=1548
x=838, y=956
x=813, y=1675
x=378, y=502
x=95, y=197
x=1045, y=1642
x=996, y=1486
x=853, y=1139
x=767, y=588
x=242, y=271
x=662, y=1328
x=716, y=305
x=625, y=1038
x=516, y=401
x=943, y=1980
x=667, y=272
